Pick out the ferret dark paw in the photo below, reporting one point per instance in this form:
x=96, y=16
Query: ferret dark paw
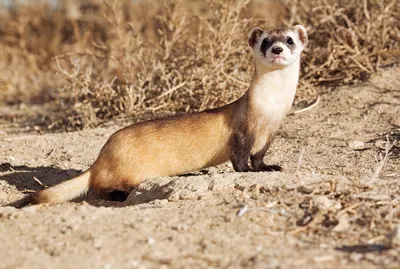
x=271, y=168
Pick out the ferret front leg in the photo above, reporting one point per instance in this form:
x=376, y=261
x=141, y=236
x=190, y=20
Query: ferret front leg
x=257, y=161
x=240, y=153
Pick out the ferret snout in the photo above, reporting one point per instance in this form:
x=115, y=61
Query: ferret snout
x=276, y=50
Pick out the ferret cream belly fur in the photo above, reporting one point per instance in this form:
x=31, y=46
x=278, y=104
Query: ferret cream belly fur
x=239, y=132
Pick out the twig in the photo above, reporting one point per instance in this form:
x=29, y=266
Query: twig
x=171, y=90
x=331, y=79
x=234, y=79
x=366, y=13
x=34, y=178
x=21, y=177
x=347, y=209
x=40, y=183
x=308, y=107
x=28, y=191
x=300, y=161
x=383, y=160
x=265, y=208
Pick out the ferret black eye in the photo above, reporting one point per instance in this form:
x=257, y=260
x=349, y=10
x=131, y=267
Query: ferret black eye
x=264, y=45
x=265, y=42
x=290, y=41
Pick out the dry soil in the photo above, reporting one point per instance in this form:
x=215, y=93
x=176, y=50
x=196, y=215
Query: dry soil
x=332, y=207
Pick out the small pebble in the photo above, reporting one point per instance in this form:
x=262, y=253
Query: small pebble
x=304, y=189
x=180, y=227
x=326, y=203
x=187, y=195
x=355, y=257
x=151, y=241
x=160, y=201
x=343, y=224
x=159, y=257
x=98, y=243
x=356, y=145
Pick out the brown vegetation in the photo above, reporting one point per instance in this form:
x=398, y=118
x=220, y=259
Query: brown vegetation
x=105, y=59
x=349, y=41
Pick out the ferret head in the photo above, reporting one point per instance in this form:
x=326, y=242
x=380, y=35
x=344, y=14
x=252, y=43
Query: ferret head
x=277, y=48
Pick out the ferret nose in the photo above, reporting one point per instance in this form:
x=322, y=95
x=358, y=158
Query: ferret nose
x=277, y=50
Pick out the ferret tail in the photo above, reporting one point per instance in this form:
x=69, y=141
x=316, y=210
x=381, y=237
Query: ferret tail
x=63, y=192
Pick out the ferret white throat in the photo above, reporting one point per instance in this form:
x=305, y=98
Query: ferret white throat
x=274, y=91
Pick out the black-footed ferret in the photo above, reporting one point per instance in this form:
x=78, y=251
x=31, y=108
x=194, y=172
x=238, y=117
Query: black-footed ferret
x=237, y=131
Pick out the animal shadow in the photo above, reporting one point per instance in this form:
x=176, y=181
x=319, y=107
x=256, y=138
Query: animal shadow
x=27, y=179
x=31, y=179
x=362, y=248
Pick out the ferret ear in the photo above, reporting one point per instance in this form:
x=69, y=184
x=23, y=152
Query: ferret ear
x=254, y=35
x=302, y=33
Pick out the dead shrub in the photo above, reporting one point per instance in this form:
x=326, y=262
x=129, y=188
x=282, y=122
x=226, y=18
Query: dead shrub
x=195, y=62
x=349, y=40
x=98, y=60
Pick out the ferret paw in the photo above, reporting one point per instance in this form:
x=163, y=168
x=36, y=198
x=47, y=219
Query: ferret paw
x=270, y=168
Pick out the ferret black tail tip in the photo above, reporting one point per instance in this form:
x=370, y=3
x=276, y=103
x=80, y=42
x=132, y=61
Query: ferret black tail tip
x=21, y=202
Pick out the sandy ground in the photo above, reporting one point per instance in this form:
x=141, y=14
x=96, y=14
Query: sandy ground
x=331, y=208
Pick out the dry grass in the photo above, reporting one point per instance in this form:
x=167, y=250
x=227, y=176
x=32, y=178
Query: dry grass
x=106, y=59
x=349, y=41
